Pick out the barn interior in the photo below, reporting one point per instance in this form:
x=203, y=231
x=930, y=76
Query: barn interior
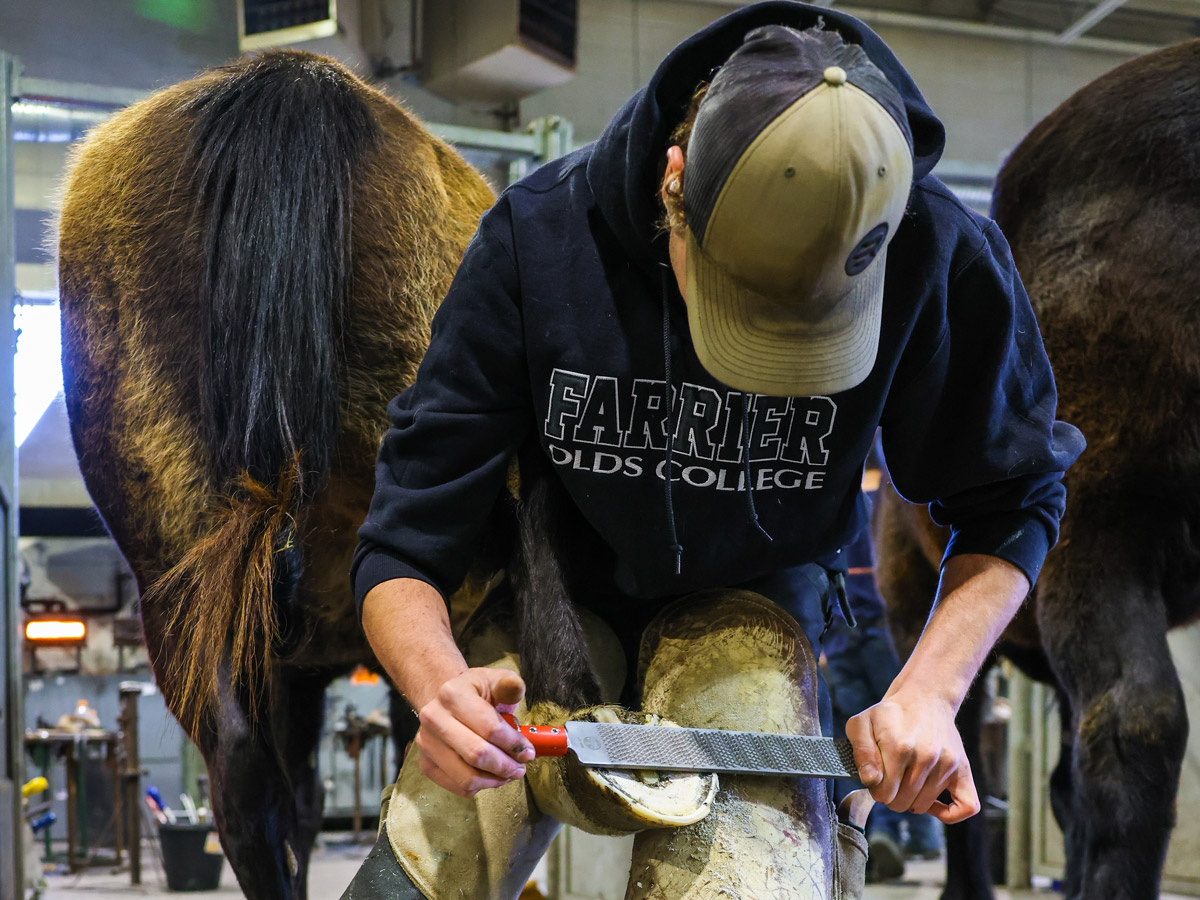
x=512, y=85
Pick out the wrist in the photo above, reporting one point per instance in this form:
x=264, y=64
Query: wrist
x=916, y=690
x=407, y=626
x=422, y=691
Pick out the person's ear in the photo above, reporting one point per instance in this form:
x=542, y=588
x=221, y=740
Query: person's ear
x=673, y=172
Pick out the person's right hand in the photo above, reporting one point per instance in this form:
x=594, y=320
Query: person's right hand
x=465, y=745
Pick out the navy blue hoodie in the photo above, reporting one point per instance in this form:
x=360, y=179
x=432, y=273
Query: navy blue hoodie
x=564, y=319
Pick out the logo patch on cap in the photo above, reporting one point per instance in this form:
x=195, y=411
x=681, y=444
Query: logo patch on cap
x=866, y=249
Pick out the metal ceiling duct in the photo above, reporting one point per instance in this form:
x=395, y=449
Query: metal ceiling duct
x=497, y=51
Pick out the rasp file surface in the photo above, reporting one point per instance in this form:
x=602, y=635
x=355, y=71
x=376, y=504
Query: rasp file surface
x=709, y=750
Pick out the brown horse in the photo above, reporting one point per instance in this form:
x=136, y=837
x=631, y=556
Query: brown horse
x=1101, y=203
x=249, y=262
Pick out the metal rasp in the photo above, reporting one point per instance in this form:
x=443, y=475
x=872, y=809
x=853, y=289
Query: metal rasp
x=671, y=748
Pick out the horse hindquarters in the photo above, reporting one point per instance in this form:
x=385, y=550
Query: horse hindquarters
x=207, y=415
x=1129, y=719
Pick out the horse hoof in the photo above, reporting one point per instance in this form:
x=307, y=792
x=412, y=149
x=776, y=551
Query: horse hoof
x=612, y=801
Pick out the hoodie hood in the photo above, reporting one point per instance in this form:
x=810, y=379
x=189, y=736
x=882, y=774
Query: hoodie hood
x=623, y=169
x=550, y=346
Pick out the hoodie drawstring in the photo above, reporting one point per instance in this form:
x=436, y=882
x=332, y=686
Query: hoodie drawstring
x=670, y=426
x=746, y=466
x=676, y=547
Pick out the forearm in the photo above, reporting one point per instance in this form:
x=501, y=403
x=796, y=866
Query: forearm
x=407, y=625
x=977, y=597
x=465, y=746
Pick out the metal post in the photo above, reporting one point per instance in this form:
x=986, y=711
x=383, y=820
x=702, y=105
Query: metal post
x=518, y=169
x=12, y=716
x=72, y=766
x=131, y=775
x=358, y=792
x=1020, y=776
x=81, y=767
x=114, y=772
x=353, y=740
x=555, y=873
x=554, y=137
x=385, y=777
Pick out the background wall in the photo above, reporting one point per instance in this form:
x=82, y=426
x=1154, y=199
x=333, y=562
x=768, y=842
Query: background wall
x=128, y=43
x=988, y=91
x=148, y=44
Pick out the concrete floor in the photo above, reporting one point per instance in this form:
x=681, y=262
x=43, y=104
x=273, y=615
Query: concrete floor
x=333, y=866
x=335, y=863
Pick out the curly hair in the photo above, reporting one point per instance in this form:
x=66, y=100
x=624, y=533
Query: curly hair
x=673, y=218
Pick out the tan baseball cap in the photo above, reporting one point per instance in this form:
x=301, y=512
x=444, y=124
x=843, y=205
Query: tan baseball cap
x=798, y=173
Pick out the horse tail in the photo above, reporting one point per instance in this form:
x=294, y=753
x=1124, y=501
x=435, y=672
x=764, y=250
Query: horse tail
x=275, y=142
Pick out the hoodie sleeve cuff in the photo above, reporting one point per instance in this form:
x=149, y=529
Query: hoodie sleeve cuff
x=1016, y=539
x=377, y=566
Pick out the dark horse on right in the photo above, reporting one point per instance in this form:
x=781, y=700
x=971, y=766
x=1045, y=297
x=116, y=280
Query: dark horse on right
x=1101, y=204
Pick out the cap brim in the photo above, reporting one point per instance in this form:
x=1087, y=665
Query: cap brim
x=752, y=343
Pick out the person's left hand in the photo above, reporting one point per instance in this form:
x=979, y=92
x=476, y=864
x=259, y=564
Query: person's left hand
x=908, y=752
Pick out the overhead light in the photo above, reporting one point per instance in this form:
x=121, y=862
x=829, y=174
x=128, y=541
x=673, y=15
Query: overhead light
x=56, y=631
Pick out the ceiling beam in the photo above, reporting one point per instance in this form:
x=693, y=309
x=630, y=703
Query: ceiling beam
x=1184, y=9
x=885, y=17
x=988, y=30
x=1097, y=13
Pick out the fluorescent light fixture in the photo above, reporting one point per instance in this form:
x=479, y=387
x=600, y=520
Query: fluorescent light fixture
x=52, y=123
x=38, y=363
x=61, y=631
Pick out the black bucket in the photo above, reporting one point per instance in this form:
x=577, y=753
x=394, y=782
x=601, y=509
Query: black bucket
x=192, y=856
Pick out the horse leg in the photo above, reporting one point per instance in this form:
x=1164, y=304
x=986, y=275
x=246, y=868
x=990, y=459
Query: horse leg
x=968, y=861
x=1062, y=802
x=253, y=797
x=251, y=793
x=1105, y=629
x=300, y=713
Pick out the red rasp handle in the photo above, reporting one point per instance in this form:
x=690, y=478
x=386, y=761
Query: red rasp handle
x=547, y=740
